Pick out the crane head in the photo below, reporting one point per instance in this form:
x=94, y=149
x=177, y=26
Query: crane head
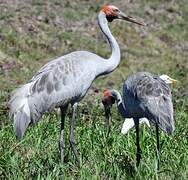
x=112, y=12
x=108, y=100
x=167, y=79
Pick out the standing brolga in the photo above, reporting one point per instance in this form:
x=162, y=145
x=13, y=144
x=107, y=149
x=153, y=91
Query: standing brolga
x=64, y=81
x=144, y=96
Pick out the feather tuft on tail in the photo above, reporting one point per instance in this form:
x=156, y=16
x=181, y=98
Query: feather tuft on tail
x=19, y=110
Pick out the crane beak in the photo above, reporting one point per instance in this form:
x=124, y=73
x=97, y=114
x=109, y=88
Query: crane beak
x=174, y=81
x=130, y=19
x=106, y=101
x=107, y=111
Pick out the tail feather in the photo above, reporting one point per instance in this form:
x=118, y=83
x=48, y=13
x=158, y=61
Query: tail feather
x=19, y=110
x=160, y=109
x=21, y=122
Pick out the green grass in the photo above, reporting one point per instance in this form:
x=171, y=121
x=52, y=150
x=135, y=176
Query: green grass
x=32, y=33
x=111, y=157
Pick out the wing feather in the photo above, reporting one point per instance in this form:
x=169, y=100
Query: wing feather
x=62, y=80
x=154, y=97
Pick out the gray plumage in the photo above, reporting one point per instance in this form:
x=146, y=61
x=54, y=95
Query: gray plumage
x=61, y=81
x=65, y=80
x=147, y=95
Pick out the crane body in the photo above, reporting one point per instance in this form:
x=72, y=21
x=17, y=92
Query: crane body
x=57, y=83
x=64, y=81
x=129, y=122
x=145, y=95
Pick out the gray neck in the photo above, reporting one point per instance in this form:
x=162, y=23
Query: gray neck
x=120, y=105
x=110, y=64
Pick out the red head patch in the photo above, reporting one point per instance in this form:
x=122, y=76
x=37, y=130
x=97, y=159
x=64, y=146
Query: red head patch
x=110, y=10
x=107, y=98
x=106, y=93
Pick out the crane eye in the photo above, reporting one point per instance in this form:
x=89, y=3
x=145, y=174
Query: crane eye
x=116, y=10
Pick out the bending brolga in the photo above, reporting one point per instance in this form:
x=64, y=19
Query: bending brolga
x=144, y=96
x=64, y=81
x=129, y=122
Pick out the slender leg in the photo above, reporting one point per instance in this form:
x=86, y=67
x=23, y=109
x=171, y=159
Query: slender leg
x=138, y=153
x=62, y=140
x=72, y=140
x=158, y=146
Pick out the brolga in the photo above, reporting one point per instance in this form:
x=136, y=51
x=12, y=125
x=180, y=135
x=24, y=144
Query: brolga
x=65, y=81
x=129, y=122
x=145, y=95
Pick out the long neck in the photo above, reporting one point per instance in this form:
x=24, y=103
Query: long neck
x=120, y=105
x=110, y=64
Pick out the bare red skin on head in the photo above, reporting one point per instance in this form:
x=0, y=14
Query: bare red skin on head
x=106, y=93
x=107, y=98
x=108, y=10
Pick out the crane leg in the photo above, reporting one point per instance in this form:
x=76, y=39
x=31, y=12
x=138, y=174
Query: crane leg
x=72, y=140
x=62, y=140
x=158, y=146
x=138, y=153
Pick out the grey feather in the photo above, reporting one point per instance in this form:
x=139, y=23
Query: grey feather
x=146, y=95
x=21, y=122
x=61, y=81
x=19, y=110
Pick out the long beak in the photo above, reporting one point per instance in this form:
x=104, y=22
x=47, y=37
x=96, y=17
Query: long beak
x=130, y=19
x=107, y=110
x=174, y=81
